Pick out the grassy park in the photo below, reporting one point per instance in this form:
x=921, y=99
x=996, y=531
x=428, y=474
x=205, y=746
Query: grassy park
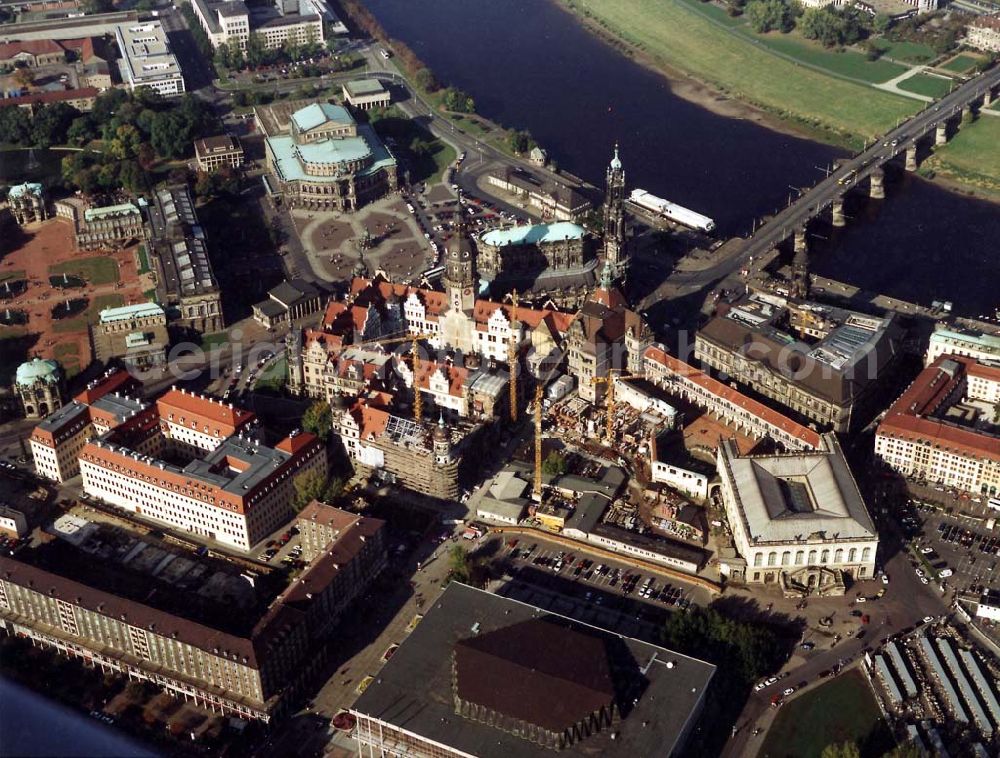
x=971, y=157
x=842, y=710
x=700, y=40
x=89, y=316
x=925, y=84
x=97, y=270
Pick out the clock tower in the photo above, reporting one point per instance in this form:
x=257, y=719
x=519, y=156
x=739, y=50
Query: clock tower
x=460, y=272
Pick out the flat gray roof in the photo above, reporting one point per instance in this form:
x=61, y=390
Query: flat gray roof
x=414, y=689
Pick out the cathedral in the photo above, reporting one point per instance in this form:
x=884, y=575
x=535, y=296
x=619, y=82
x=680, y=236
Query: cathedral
x=556, y=262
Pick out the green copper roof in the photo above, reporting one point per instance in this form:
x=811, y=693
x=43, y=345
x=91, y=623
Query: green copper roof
x=365, y=87
x=126, y=312
x=28, y=188
x=535, y=234
x=289, y=157
x=318, y=114
x=38, y=369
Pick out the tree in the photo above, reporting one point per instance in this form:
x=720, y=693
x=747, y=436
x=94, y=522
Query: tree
x=520, y=141
x=769, y=15
x=841, y=750
x=24, y=77
x=125, y=143
x=97, y=6
x=256, y=51
x=309, y=486
x=458, y=564
x=146, y=156
x=420, y=147
x=81, y=131
x=50, y=124
x=424, y=79
x=318, y=419
x=554, y=464
x=15, y=126
x=881, y=23
x=334, y=489
x=131, y=176
x=457, y=101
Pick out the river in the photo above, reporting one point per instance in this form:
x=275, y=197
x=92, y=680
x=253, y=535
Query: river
x=33, y=725
x=530, y=65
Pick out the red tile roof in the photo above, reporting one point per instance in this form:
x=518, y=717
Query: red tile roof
x=296, y=444
x=34, y=47
x=204, y=411
x=51, y=97
x=717, y=388
x=910, y=417
x=119, y=380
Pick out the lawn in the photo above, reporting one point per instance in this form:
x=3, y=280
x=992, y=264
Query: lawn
x=911, y=52
x=216, y=338
x=925, y=84
x=89, y=316
x=143, y=260
x=842, y=710
x=13, y=275
x=274, y=377
x=971, y=156
x=68, y=354
x=97, y=270
x=849, y=63
x=960, y=63
x=685, y=36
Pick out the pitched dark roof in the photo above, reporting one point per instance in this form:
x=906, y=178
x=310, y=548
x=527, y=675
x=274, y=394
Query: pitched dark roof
x=536, y=671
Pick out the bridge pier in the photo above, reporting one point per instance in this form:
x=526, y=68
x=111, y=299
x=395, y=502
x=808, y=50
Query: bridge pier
x=839, y=219
x=988, y=98
x=877, y=189
x=966, y=115
x=941, y=135
x=911, y=158
x=800, y=244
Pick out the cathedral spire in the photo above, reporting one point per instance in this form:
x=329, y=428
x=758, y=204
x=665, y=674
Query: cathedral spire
x=615, y=249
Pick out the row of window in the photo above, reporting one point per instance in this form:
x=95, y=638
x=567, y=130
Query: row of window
x=803, y=558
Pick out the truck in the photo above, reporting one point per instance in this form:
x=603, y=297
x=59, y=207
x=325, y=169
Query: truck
x=559, y=389
x=671, y=211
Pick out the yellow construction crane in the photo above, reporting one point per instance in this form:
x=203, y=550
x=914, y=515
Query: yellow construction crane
x=413, y=339
x=512, y=357
x=610, y=398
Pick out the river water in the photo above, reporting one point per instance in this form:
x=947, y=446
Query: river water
x=530, y=65
x=33, y=725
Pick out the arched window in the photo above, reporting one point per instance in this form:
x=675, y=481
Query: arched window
x=786, y=557
x=758, y=559
x=852, y=555
x=812, y=557
x=800, y=556
x=838, y=556
x=866, y=554
x=825, y=557
x=772, y=558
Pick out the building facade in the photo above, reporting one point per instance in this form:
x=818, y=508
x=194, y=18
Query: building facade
x=40, y=385
x=552, y=199
x=981, y=347
x=109, y=227
x=523, y=252
x=28, y=202
x=983, y=33
x=135, y=334
x=213, y=153
x=797, y=519
x=365, y=94
x=942, y=428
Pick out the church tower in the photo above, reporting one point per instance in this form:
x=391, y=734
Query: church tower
x=615, y=250
x=460, y=273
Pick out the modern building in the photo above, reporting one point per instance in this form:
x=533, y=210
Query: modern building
x=281, y=23
x=365, y=94
x=943, y=428
x=40, y=385
x=983, y=33
x=489, y=676
x=288, y=302
x=731, y=406
x=832, y=381
x=797, y=519
x=550, y=198
x=135, y=334
x=233, y=647
x=13, y=523
x=28, y=202
x=213, y=153
x=981, y=347
x=147, y=60
x=185, y=282
x=108, y=227
x=320, y=158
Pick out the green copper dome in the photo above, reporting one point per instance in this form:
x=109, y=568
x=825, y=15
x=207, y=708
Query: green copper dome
x=38, y=369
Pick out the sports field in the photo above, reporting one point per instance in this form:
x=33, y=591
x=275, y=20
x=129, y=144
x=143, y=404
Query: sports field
x=842, y=710
x=688, y=36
